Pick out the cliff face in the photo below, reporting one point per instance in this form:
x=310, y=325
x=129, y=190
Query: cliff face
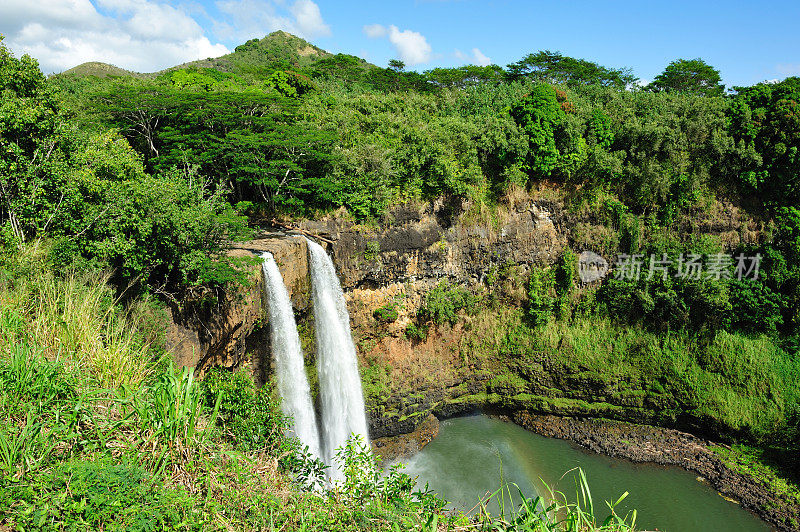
x=393, y=265
x=438, y=240
x=396, y=262
x=232, y=332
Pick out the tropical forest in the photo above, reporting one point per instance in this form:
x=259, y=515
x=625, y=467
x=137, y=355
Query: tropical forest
x=289, y=289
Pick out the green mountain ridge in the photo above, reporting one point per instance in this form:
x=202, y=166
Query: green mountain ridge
x=100, y=70
x=277, y=51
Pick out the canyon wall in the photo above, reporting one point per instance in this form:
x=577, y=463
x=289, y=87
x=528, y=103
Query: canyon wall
x=393, y=264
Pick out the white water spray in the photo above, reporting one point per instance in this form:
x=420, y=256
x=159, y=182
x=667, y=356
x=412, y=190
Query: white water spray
x=337, y=366
x=292, y=380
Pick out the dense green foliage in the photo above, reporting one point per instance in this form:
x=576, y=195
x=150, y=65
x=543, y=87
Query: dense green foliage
x=765, y=124
x=693, y=76
x=557, y=69
x=90, y=193
x=324, y=131
x=248, y=415
x=444, y=302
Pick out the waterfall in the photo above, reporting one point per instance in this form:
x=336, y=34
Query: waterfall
x=337, y=366
x=292, y=381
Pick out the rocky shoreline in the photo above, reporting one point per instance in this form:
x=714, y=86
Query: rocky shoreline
x=644, y=443
x=404, y=445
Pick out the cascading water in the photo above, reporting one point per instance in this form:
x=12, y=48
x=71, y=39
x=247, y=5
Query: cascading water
x=337, y=366
x=292, y=380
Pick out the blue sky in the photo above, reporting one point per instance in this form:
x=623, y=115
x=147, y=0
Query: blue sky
x=747, y=42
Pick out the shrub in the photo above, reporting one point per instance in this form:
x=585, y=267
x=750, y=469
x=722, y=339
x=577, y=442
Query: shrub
x=540, y=115
x=664, y=303
x=365, y=481
x=371, y=250
x=541, y=288
x=251, y=418
x=95, y=495
x=387, y=313
x=443, y=303
x=566, y=273
x=416, y=332
x=754, y=307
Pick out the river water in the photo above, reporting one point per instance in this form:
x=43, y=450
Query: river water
x=472, y=455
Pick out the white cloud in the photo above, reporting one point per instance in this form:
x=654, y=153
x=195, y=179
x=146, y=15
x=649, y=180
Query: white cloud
x=477, y=57
x=250, y=18
x=256, y=18
x=480, y=58
x=309, y=19
x=141, y=35
x=16, y=14
x=374, y=31
x=411, y=46
x=123, y=6
x=154, y=21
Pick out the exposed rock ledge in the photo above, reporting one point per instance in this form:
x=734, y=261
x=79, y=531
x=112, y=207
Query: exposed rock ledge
x=405, y=445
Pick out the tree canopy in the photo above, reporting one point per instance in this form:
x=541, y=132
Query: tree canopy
x=91, y=194
x=765, y=123
x=692, y=76
x=555, y=68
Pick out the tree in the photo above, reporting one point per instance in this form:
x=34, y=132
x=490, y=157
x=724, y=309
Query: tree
x=140, y=111
x=397, y=65
x=465, y=76
x=341, y=66
x=91, y=195
x=554, y=68
x=765, y=123
x=541, y=116
x=33, y=146
x=693, y=76
x=290, y=84
x=245, y=141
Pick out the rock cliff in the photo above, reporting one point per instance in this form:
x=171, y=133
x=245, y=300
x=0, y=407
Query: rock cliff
x=232, y=331
x=392, y=264
x=400, y=259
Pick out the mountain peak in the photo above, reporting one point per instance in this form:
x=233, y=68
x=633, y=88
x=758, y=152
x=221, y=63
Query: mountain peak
x=280, y=50
x=99, y=70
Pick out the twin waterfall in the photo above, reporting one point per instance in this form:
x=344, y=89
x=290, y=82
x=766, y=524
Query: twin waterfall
x=337, y=365
x=289, y=365
x=341, y=399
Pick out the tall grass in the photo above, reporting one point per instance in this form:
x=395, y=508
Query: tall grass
x=553, y=511
x=71, y=317
x=746, y=385
x=171, y=409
